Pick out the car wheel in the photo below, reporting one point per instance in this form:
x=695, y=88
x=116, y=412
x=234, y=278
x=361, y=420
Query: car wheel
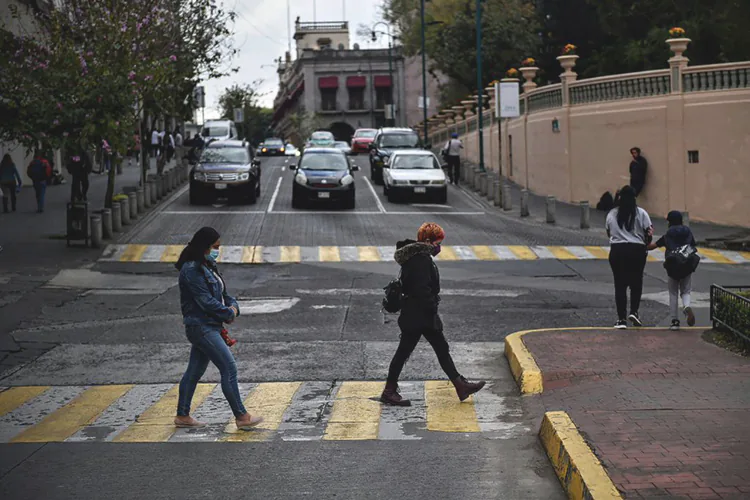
x=442, y=198
x=257, y=188
x=252, y=195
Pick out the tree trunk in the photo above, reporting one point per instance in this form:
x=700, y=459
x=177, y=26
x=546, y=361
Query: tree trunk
x=111, y=183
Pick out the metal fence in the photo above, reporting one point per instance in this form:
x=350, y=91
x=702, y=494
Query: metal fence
x=730, y=311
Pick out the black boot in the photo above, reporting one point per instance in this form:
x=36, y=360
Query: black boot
x=391, y=396
x=464, y=388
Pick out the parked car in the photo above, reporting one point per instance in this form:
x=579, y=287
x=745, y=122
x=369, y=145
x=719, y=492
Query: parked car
x=271, y=147
x=323, y=175
x=218, y=130
x=226, y=169
x=411, y=174
x=343, y=146
x=320, y=139
x=386, y=141
x=362, y=139
x=291, y=150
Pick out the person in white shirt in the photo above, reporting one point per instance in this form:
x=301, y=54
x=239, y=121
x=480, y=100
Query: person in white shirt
x=154, y=143
x=630, y=230
x=452, y=154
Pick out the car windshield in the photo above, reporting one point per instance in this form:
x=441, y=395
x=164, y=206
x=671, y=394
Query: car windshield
x=215, y=131
x=322, y=136
x=415, y=162
x=324, y=161
x=399, y=141
x=273, y=142
x=225, y=155
x=365, y=133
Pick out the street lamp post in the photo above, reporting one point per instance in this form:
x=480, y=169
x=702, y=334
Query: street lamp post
x=480, y=87
x=424, y=72
x=392, y=120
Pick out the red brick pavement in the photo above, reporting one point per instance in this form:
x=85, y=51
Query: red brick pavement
x=667, y=413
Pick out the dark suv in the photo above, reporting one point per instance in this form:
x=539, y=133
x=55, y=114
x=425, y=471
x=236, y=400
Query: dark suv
x=271, y=147
x=386, y=141
x=226, y=169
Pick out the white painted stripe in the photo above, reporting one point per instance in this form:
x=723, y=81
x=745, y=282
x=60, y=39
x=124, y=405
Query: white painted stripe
x=34, y=410
x=734, y=256
x=309, y=254
x=464, y=252
x=194, y=213
x=122, y=413
x=499, y=416
x=215, y=412
x=211, y=212
x=378, y=291
x=658, y=254
x=307, y=416
x=275, y=195
x=470, y=198
x=349, y=254
x=113, y=253
x=271, y=254
x=542, y=252
x=386, y=253
x=504, y=253
x=231, y=254
x=580, y=252
x=153, y=253
x=402, y=423
x=266, y=306
x=381, y=208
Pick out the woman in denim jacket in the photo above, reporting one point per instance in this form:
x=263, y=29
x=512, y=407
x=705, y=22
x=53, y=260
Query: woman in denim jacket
x=206, y=306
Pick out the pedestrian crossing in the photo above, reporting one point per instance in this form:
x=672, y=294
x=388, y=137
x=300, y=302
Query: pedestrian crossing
x=233, y=254
x=293, y=411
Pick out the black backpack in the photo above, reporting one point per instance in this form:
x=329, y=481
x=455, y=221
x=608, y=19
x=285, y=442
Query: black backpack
x=681, y=262
x=393, y=295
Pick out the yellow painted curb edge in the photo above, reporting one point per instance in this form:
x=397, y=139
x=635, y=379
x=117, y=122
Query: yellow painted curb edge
x=527, y=373
x=581, y=474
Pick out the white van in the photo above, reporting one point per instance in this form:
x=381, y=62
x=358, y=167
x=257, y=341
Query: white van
x=218, y=130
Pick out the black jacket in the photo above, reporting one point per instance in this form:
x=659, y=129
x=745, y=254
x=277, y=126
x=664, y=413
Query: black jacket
x=638, y=169
x=420, y=281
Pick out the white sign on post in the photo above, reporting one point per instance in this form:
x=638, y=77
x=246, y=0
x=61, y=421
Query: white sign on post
x=239, y=115
x=507, y=100
x=422, y=104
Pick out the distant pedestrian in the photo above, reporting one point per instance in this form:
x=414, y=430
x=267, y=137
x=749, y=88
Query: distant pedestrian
x=137, y=147
x=39, y=171
x=638, y=168
x=168, y=146
x=680, y=260
x=154, y=143
x=10, y=182
x=452, y=154
x=206, y=307
x=420, y=285
x=79, y=165
x=629, y=230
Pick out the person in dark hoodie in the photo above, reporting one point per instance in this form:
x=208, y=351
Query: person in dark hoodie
x=638, y=168
x=679, y=268
x=420, y=281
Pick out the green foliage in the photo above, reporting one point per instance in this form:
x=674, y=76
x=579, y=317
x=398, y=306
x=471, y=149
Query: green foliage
x=257, y=119
x=734, y=312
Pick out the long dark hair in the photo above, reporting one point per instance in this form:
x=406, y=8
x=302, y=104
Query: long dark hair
x=195, y=251
x=7, y=161
x=627, y=208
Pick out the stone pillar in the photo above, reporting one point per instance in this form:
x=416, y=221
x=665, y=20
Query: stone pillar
x=106, y=215
x=125, y=211
x=585, y=215
x=507, y=197
x=96, y=230
x=116, y=217
x=551, y=209
x=524, y=203
x=678, y=62
x=133, y=202
x=568, y=76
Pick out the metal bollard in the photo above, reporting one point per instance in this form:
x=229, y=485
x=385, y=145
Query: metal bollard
x=585, y=215
x=498, y=193
x=551, y=209
x=491, y=188
x=159, y=188
x=463, y=172
x=470, y=176
x=524, y=203
x=96, y=230
x=106, y=216
x=172, y=179
x=125, y=211
x=133, y=202
x=507, y=197
x=477, y=179
x=140, y=200
x=483, y=184
x=116, y=217
x=150, y=193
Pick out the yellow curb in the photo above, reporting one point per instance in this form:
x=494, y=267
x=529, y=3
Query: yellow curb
x=527, y=373
x=581, y=474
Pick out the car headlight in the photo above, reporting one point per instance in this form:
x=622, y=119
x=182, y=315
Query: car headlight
x=346, y=180
x=282, y=150
x=245, y=176
x=300, y=178
x=438, y=182
x=264, y=150
x=297, y=153
x=397, y=182
x=200, y=176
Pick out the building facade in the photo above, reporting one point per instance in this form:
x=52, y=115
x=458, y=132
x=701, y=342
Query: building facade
x=333, y=87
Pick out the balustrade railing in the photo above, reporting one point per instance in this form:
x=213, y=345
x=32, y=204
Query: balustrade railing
x=545, y=98
x=617, y=87
x=472, y=124
x=716, y=77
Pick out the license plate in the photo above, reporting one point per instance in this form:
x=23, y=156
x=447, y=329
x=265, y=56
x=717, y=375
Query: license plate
x=421, y=190
x=324, y=195
x=220, y=186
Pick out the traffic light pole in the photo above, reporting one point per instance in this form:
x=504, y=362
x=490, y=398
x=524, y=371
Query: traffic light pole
x=480, y=87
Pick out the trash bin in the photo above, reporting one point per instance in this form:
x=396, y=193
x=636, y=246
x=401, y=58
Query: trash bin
x=78, y=222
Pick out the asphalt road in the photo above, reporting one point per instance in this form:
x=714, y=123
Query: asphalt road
x=314, y=349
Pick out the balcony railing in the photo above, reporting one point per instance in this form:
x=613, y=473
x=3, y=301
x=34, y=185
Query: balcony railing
x=545, y=98
x=617, y=87
x=716, y=77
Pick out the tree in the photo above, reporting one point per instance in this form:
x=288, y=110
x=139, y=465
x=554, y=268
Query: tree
x=257, y=120
x=303, y=124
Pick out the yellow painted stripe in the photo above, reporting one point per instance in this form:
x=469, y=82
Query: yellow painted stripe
x=329, y=254
x=133, y=253
x=171, y=253
x=715, y=256
x=483, y=252
x=368, y=254
x=290, y=254
x=16, y=396
x=270, y=401
x=356, y=412
x=157, y=423
x=523, y=252
x=82, y=411
x=651, y=258
x=447, y=253
x=252, y=255
x=561, y=253
x=598, y=252
x=445, y=413
x=745, y=255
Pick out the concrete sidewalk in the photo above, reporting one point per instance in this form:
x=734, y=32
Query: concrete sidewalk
x=665, y=412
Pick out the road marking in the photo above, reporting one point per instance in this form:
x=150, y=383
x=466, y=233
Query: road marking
x=504, y=252
x=543, y=252
x=445, y=413
x=715, y=256
x=266, y=306
x=561, y=253
x=12, y=398
x=77, y=414
x=379, y=291
x=290, y=254
x=484, y=252
x=133, y=253
x=464, y=252
x=522, y=252
x=356, y=412
x=448, y=254
x=470, y=198
x=270, y=401
x=580, y=253
x=275, y=195
x=656, y=255
x=252, y=255
x=231, y=254
x=157, y=423
x=172, y=253
x=598, y=252
x=369, y=254
x=329, y=254
x=381, y=208
x=210, y=212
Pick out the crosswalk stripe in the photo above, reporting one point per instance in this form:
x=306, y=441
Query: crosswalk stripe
x=356, y=412
x=80, y=412
x=404, y=423
x=598, y=252
x=523, y=252
x=445, y=413
x=543, y=252
x=448, y=254
x=736, y=257
x=157, y=423
x=562, y=253
x=270, y=401
x=308, y=413
x=252, y=255
x=171, y=253
x=215, y=412
x=715, y=256
x=580, y=253
x=231, y=254
x=386, y=253
x=656, y=255
x=464, y=252
x=484, y=252
x=12, y=398
x=290, y=254
x=369, y=254
x=33, y=410
x=153, y=253
x=504, y=252
x=329, y=254
x=133, y=253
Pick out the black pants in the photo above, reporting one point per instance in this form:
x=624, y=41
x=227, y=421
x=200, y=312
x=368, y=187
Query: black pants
x=627, y=260
x=9, y=191
x=80, y=187
x=409, y=341
x=454, y=168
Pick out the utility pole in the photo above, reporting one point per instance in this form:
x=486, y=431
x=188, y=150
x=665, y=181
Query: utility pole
x=424, y=72
x=480, y=88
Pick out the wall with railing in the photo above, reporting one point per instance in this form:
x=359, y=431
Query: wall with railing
x=573, y=138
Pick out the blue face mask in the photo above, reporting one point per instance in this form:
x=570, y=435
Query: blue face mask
x=213, y=255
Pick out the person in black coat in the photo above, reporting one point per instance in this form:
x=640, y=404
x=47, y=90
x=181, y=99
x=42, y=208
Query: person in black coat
x=638, y=168
x=419, y=316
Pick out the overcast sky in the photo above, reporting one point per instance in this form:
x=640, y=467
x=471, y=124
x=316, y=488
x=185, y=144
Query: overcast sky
x=261, y=36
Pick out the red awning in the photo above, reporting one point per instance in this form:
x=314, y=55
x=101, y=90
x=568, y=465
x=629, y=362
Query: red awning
x=328, y=82
x=356, y=82
x=382, y=81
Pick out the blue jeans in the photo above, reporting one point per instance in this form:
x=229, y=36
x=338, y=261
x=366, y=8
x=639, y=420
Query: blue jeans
x=209, y=346
x=40, y=187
